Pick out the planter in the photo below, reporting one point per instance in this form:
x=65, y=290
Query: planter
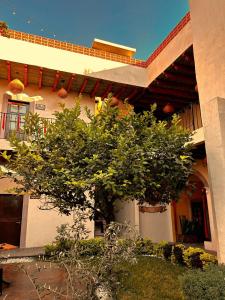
x=152, y=209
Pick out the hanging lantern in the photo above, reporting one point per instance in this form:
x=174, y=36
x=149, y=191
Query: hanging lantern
x=168, y=108
x=114, y=102
x=196, y=88
x=62, y=93
x=16, y=86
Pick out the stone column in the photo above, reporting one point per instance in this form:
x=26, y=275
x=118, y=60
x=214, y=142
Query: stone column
x=208, y=29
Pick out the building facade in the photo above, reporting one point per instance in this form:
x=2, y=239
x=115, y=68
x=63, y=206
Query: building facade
x=186, y=71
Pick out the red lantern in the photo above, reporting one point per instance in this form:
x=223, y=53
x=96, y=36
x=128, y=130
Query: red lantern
x=114, y=102
x=168, y=108
x=62, y=93
x=196, y=88
x=16, y=86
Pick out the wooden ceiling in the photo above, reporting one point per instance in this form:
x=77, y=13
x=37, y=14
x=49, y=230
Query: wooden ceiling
x=176, y=85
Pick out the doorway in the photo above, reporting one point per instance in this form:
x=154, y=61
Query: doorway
x=11, y=207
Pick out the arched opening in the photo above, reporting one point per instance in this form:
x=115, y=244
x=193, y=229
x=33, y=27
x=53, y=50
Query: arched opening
x=191, y=217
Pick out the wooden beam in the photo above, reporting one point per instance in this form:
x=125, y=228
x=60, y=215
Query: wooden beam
x=8, y=64
x=83, y=86
x=184, y=69
x=179, y=78
x=69, y=85
x=107, y=91
x=171, y=92
x=120, y=92
x=40, y=78
x=56, y=81
x=189, y=59
x=132, y=94
x=95, y=89
x=25, y=75
x=166, y=99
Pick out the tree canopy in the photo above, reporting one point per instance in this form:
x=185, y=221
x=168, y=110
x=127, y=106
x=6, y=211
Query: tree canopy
x=107, y=159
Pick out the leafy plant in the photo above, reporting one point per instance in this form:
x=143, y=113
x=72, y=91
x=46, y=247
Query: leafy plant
x=205, y=285
x=92, y=165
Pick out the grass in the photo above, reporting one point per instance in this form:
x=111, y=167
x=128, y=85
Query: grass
x=151, y=278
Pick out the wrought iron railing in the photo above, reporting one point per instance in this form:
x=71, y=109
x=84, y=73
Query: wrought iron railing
x=13, y=123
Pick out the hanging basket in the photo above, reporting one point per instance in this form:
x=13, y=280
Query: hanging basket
x=16, y=86
x=152, y=209
x=114, y=102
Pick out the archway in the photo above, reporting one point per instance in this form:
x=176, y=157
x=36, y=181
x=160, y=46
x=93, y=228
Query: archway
x=191, y=217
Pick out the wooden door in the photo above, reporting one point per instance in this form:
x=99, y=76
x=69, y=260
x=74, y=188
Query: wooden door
x=11, y=207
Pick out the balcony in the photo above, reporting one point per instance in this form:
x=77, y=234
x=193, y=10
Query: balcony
x=191, y=117
x=13, y=123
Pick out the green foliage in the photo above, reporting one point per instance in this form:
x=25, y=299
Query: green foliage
x=95, y=246
x=208, y=259
x=205, y=285
x=144, y=247
x=177, y=255
x=192, y=257
x=167, y=251
x=106, y=159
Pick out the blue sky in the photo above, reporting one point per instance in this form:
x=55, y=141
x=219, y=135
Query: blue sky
x=140, y=24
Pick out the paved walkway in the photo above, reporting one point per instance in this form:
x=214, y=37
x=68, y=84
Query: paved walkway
x=22, y=252
x=21, y=288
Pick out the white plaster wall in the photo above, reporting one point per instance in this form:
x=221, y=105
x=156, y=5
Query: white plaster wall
x=62, y=60
x=177, y=46
x=41, y=224
x=157, y=226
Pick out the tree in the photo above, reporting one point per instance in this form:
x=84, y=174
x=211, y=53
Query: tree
x=97, y=163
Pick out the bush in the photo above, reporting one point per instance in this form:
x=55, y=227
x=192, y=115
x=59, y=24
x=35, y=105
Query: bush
x=93, y=246
x=177, y=255
x=208, y=259
x=167, y=251
x=144, y=247
x=205, y=285
x=192, y=257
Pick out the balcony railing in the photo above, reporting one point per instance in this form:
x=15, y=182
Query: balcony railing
x=13, y=123
x=191, y=117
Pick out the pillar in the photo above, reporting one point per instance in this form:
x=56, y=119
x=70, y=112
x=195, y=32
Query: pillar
x=208, y=29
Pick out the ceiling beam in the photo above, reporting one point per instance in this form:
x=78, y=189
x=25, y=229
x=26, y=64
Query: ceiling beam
x=132, y=94
x=56, y=81
x=40, y=77
x=8, y=64
x=107, y=91
x=166, y=99
x=95, y=89
x=179, y=78
x=83, y=86
x=171, y=92
x=120, y=92
x=188, y=58
x=184, y=69
x=25, y=75
x=70, y=82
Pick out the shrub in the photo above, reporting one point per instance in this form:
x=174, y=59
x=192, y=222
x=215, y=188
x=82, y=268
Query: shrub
x=192, y=257
x=93, y=246
x=208, y=259
x=144, y=247
x=205, y=285
x=167, y=251
x=177, y=255
x=158, y=248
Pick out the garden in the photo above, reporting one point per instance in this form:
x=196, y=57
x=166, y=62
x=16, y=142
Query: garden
x=84, y=169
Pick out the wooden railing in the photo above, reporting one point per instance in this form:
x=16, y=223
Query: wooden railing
x=191, y=117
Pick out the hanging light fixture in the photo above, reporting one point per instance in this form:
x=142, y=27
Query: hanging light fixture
x=62, y=93
x=168, y=108
x=16, y=86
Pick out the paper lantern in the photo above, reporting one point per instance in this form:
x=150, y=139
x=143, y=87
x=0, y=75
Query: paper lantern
x=62, y=93
x=114, y=102
x=16, y=86
x=168, y=108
